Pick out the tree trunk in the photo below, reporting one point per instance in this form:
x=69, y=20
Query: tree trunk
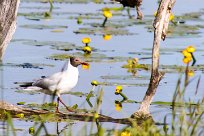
x=8, y=13
x=161, y=26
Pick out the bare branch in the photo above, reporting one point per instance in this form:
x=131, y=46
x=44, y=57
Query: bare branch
x=161, y=23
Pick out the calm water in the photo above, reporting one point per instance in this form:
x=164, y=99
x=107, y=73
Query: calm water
x=18, y=53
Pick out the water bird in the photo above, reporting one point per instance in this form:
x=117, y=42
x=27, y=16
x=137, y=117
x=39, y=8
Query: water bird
x=60, y=82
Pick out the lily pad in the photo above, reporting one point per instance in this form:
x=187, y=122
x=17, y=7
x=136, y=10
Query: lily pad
x=102, y=31
x=124, y=84
x=124, y=77
x=65, y=46
x=37, y=26
x=181, y=30
x=28, y=65
x=93, y=57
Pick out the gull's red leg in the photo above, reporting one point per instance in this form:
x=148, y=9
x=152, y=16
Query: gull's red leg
x=60, y=100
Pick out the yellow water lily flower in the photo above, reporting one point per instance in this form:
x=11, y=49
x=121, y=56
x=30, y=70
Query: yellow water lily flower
x=87, y=49
x=20, y=115
x=107, y=14
x=186, y=53
x=96, y=116
x=171, y=17
x=86, y=40
x=190, y=49
x=118, y=89
x=94, y=83
x=107, y=37
x=125, y=133
x=187, y=59
x=31, y=130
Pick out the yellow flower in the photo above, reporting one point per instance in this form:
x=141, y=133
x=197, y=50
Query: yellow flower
x=118, y=89
x=187, y=59
x=125, y=133
x=86, y=40
x=186, y=53
x=118, y=106
x=107, y=14
x=171, y=17
x=31, y=130
x=107, y=37
x=190, y=73
x=20, y=115
x=87, y=66
x=87, y=49
x=96, y=116
x=94, y=83
x=190, y=49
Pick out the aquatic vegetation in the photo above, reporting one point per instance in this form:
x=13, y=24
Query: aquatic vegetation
x=31, y=130
x=188, y=55
x=94, y=83
x=118, y=91
x=79, y=20
x=87, y=49
x=132, y=63
x=107, y=14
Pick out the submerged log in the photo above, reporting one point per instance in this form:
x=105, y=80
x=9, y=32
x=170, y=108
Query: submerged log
x=161, y=23
x=8, y=13
x=81, y=116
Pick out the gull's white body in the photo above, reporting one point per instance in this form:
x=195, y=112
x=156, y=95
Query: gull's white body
x=60, y=82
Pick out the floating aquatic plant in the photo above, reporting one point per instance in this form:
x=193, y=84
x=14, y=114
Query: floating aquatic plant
x=107, y=14
x=94, y=83
x=79, y=20
x=118, y=91
x=188, y=55
x=87, y=49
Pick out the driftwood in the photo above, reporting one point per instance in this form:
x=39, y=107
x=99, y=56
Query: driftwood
x=8, y=13
x=161, y=23
x=81, y=116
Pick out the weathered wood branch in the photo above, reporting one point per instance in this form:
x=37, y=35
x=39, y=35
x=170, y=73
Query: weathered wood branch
x=8, y=13
x=81, y=116
x=161, y=23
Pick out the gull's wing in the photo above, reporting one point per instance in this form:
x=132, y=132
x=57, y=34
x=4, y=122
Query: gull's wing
x=49, y=82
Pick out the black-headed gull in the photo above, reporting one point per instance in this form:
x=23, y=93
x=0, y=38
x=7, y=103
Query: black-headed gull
x=61, y=82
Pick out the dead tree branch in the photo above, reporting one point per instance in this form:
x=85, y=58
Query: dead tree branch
x=160, y=25
x=81, y=116
x=8, y=13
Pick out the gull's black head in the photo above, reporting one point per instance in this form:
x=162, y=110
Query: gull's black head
x=76, y=62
